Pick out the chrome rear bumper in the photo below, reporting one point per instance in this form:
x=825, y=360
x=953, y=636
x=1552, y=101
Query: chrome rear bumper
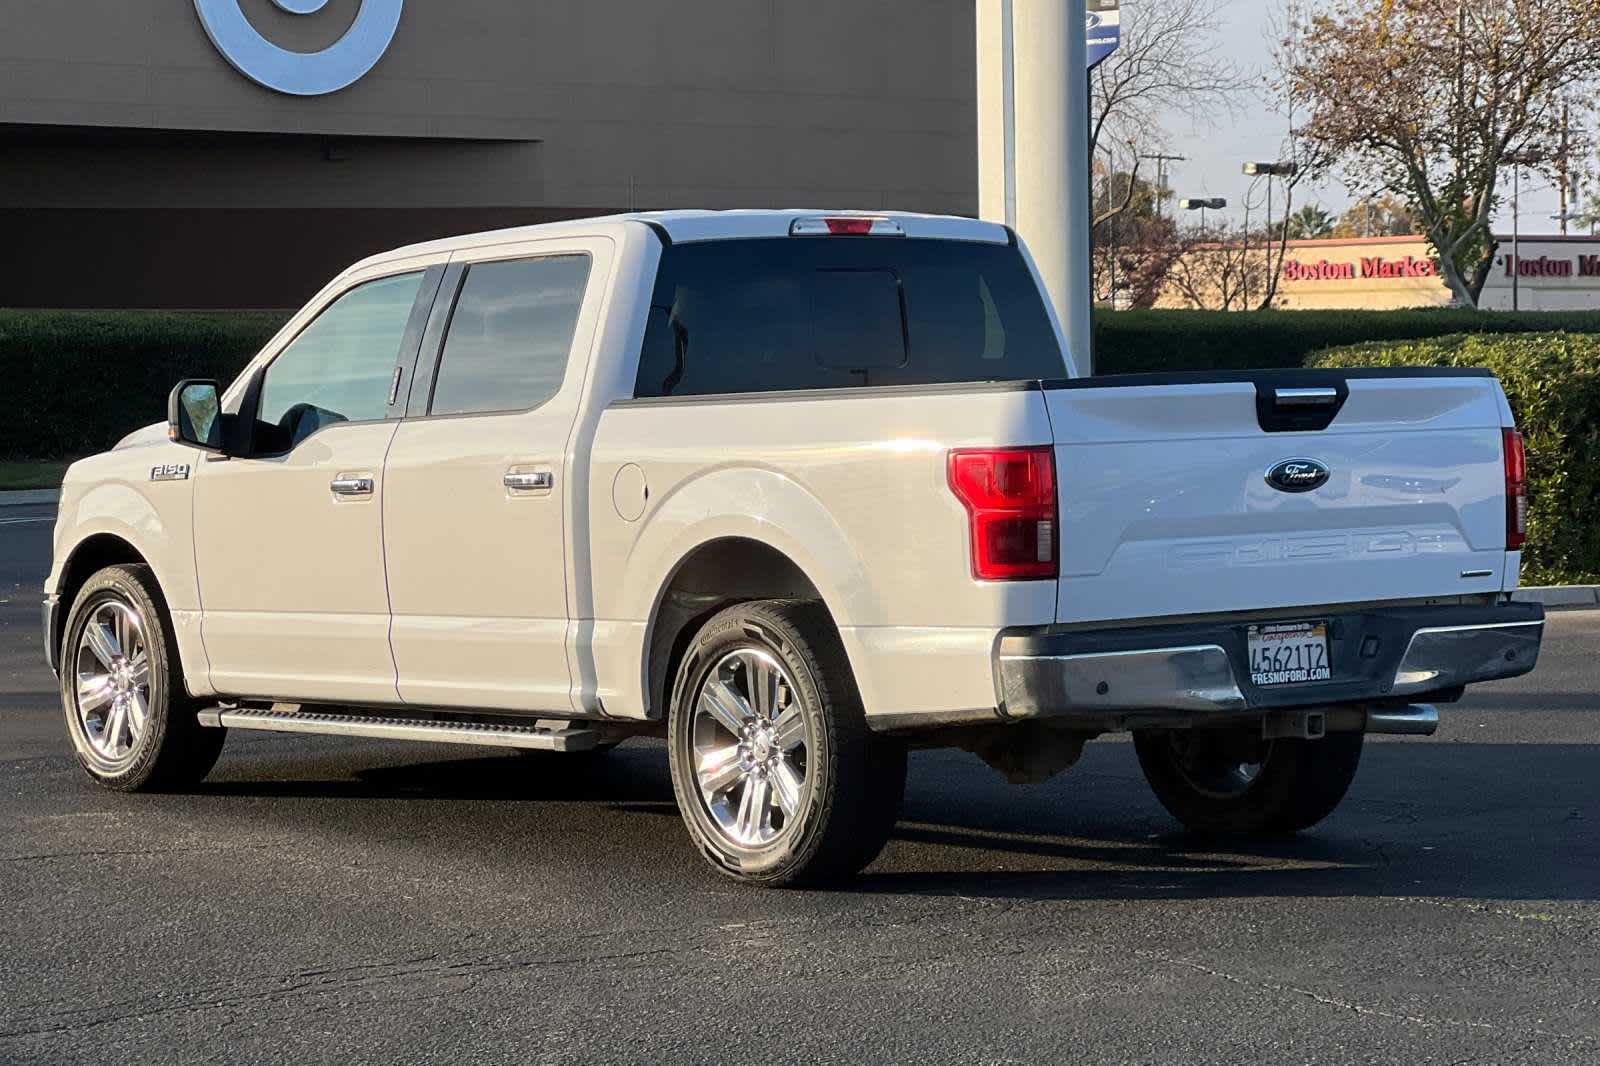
x=1197, y=679
x=1449, y=656
x=1110, y=680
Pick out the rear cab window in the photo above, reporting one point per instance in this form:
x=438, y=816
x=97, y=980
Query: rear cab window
x=800, y=313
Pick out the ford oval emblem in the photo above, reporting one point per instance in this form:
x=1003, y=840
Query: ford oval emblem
x=1298, y=475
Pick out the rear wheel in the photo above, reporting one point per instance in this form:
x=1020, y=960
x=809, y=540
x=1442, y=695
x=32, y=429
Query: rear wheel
x=777, y=776
x=132, y=724
x=1233, y=781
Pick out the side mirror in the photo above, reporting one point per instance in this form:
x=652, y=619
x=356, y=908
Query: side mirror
x=194, y=416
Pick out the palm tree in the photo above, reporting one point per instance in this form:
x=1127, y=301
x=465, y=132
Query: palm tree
x=1311, y=222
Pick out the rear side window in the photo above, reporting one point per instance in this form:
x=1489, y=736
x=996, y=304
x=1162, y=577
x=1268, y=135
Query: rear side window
x=511, y=335
x=794, y=313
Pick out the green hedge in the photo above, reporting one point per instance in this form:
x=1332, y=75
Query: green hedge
x=78, y=381
x=1553, y=382
x=1135, y=342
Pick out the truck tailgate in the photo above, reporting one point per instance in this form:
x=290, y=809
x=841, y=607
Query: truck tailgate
x=1166, y=507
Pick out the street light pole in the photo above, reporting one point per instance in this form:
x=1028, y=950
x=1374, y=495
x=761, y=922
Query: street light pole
x=1284, y=169
x=1111, y=195
x=1517, y=161
x=1161, y=160
x=1215, y=203
x=1516, y=236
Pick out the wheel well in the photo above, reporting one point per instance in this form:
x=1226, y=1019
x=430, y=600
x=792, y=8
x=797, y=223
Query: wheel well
x=87, y=559
x=714, y=577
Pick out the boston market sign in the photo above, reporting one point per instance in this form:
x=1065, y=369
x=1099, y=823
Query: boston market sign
x=1369, y=267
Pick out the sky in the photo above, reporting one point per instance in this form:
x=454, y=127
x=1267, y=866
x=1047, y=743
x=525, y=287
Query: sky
x=1215, y=155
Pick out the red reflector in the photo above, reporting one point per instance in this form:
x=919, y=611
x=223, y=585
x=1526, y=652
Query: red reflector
x=849, y=227
x=1010, y=497
x=1516, y=491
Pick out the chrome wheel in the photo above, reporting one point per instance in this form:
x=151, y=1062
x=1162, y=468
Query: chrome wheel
x=750, y=746
x=112, y=692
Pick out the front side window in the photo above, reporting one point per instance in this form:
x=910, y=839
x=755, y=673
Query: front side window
x=340, y=367
x=511, y=335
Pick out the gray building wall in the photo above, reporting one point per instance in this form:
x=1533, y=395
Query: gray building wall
x=120, y=117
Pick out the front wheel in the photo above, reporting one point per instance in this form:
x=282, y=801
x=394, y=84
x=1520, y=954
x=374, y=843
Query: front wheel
x=1233, y=781
x=132, y=723
x=778, y=778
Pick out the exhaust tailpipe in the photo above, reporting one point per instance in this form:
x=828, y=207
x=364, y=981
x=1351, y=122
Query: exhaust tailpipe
x=1417, y=720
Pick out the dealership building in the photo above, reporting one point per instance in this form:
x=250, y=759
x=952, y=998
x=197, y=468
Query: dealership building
x=238, y=153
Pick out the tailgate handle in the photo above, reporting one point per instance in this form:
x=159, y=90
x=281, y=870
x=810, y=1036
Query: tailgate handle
x=1306, y=397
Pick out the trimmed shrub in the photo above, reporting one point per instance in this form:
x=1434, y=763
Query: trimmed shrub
x=79, y=381
x=1553, y=382
x=1138, y=342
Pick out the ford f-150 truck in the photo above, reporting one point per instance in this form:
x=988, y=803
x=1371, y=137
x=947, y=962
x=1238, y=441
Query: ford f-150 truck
x=798, y=492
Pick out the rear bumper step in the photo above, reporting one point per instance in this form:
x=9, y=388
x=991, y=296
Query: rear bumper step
x=1123, y=679
x=538, y=737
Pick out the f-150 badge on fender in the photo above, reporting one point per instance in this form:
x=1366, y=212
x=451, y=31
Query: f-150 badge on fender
x=170, y=472
x=1298, y=475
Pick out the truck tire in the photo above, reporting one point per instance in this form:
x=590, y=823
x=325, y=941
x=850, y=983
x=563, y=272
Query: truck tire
x=1220, y=781
x=777, y=776
x=132, y=723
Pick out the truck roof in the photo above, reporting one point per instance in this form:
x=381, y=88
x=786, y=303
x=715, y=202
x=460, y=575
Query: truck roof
x=690, y=226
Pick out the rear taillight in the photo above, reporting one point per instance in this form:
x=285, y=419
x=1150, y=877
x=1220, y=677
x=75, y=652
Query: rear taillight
x=1516, y=491
x=1010, y=497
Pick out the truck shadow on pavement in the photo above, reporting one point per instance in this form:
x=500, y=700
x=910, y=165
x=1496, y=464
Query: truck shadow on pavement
x=1458, y=821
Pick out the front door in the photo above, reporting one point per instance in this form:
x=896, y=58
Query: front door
x=288, y=540
x=474, y=513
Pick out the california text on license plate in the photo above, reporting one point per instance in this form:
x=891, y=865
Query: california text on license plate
x=1293, y=653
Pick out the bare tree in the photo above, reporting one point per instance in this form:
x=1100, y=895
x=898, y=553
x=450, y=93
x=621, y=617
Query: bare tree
x=1432, y=99
x=1217, y=269
x=1167, y=64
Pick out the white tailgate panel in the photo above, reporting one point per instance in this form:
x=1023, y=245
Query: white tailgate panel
x=1166, y=510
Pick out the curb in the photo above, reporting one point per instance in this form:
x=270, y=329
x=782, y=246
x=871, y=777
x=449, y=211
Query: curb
x=1559, y=595
x=29, y=497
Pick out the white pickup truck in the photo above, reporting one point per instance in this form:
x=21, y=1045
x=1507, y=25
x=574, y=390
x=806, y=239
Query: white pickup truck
x=797, y=492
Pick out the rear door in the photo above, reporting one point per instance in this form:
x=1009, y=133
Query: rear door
x=1169, y=505
x=474, y=512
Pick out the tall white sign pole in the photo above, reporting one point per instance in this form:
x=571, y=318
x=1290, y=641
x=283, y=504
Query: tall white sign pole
x=1033, y=146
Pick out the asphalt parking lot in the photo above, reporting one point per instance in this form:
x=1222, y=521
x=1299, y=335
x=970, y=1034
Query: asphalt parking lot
x=323, y=900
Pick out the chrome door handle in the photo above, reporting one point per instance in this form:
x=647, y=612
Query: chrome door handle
x=529, y=482
x=352, y=486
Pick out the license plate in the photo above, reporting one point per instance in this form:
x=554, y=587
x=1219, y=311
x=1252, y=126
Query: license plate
x=1293, y=653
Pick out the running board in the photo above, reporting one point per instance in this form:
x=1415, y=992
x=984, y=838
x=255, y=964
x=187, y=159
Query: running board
x=534, y=736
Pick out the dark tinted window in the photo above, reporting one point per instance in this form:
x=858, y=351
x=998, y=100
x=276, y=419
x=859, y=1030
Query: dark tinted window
x=510, y=335
x=835, y=312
